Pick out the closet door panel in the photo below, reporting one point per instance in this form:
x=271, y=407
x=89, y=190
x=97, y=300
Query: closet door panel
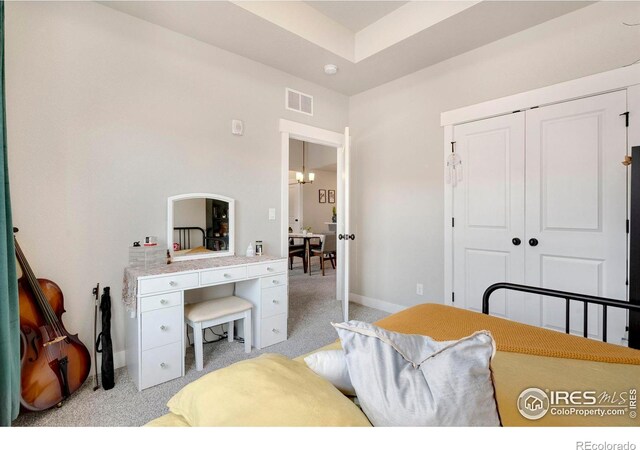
x=576, y=208
x=482, y=269
x=488, y=206
x=564, y=274
x=570, y=173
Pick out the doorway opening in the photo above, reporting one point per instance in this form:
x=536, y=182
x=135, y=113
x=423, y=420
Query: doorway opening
x=312, y=300
x=313, y=183
x=328, y=143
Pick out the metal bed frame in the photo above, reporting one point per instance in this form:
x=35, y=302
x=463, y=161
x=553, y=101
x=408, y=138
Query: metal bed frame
x=184, y=236
x=184, y=239
x=568, y=297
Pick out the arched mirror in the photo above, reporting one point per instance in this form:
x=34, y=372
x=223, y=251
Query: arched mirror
x=200, y=226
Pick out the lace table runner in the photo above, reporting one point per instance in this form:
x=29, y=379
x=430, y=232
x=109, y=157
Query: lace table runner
x=131, y=274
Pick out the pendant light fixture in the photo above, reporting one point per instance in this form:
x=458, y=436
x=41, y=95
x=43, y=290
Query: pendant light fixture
x=300, y=176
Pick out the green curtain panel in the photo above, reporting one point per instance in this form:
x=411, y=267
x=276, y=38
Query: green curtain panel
x=9, y=315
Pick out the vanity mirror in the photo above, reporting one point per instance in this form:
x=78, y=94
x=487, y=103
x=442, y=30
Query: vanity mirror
x=200, y=226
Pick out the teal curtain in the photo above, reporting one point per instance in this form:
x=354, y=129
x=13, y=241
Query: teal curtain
x=9, y=315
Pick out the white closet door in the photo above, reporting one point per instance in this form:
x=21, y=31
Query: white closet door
x=576, y=209
x=488, y=209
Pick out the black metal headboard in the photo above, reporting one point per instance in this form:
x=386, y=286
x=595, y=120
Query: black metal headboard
x=568, y=297
x=184, y=236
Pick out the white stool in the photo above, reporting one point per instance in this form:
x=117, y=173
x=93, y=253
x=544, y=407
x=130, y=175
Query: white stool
x=210, y=313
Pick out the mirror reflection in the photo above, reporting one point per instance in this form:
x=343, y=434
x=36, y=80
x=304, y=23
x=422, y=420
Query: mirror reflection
x=202, y=226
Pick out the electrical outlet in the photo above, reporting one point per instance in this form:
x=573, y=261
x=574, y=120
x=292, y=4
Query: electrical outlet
x=419, y=289
x=272, y=214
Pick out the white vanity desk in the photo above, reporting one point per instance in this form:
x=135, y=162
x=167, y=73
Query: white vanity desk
x=155, y=342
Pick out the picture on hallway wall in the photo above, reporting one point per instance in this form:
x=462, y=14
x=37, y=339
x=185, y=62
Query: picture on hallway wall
x=322, y=195
x=332, y=196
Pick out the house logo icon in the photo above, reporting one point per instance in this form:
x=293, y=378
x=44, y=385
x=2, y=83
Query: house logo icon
x=533, y=403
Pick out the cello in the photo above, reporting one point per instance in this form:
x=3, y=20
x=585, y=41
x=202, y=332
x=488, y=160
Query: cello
x=54, y=363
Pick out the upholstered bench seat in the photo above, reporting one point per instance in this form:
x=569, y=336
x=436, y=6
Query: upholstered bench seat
x=214, y=312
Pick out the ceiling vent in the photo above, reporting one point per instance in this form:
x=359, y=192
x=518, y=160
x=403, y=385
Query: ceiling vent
x=297, y=101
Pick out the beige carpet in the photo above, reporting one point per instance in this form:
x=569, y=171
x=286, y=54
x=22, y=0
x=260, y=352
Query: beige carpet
x=312, y=306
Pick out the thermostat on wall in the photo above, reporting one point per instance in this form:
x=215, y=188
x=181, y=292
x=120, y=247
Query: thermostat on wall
x=237, y=127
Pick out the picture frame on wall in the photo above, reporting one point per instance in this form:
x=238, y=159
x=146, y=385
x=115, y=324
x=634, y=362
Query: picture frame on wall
x=322, y=195
x=331, y=196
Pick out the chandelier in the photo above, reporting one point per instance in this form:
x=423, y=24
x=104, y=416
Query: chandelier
x=300, y=176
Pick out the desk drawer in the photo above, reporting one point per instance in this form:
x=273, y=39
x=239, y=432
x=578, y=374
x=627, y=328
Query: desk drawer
x=169, y=283
x=222, y=275
x=274, y=281
x=161, y=364
x=274, y=330
x=161, y=327
x=160, y=301
x=267, y=268
x=274, y=301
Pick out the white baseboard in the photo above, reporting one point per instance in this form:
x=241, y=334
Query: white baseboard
x=375, y=303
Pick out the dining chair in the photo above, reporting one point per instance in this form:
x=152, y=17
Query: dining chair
x=297, y=250
x=330, y=249
x=317, y=249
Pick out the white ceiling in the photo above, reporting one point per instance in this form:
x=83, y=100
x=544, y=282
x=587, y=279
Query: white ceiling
x=301, y=37
x=355, y=15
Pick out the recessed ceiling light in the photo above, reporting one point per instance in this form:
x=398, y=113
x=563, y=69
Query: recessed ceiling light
x=330, y=69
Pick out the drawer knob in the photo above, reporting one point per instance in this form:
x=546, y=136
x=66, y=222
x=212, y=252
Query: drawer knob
x=226, y=275
x=276, y=331
x=163, y=365
x=172, y=283
x=163, y=327
x=276, y=302
x=274, y=281
x=269, y=269
x=163, y=302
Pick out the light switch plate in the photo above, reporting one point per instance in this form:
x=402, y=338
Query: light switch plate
x=272, y=214
x=237, y=127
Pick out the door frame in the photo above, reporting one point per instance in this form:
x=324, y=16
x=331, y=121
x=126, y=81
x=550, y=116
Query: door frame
x=618, y=79
x=300, y=205
x=314, y=135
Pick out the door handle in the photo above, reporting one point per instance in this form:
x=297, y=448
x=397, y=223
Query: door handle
x=533, y=242
x=341, y=237
x=352, y=237
x=516, y=241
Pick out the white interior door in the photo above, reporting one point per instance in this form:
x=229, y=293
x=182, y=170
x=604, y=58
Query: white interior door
x=343, y=227
x=576, y=210
x=295, y=207
x=488, y=219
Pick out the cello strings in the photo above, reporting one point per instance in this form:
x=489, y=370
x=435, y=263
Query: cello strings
x=45, y=307
x=32, y=282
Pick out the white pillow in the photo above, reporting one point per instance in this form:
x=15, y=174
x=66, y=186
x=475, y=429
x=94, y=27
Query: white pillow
x=412, y=380
x=332, y=366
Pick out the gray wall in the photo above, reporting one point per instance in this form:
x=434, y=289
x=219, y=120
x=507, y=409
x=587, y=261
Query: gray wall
x=315, y=213
x=108, y=115
x=398, y=142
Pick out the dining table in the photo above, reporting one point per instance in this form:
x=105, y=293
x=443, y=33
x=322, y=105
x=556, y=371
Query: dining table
x=307, y=245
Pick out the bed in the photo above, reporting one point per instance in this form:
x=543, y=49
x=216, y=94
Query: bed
x=526, y=357
x=209, y=244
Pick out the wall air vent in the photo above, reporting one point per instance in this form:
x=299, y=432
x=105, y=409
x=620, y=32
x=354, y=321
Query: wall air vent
x=298, y=101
